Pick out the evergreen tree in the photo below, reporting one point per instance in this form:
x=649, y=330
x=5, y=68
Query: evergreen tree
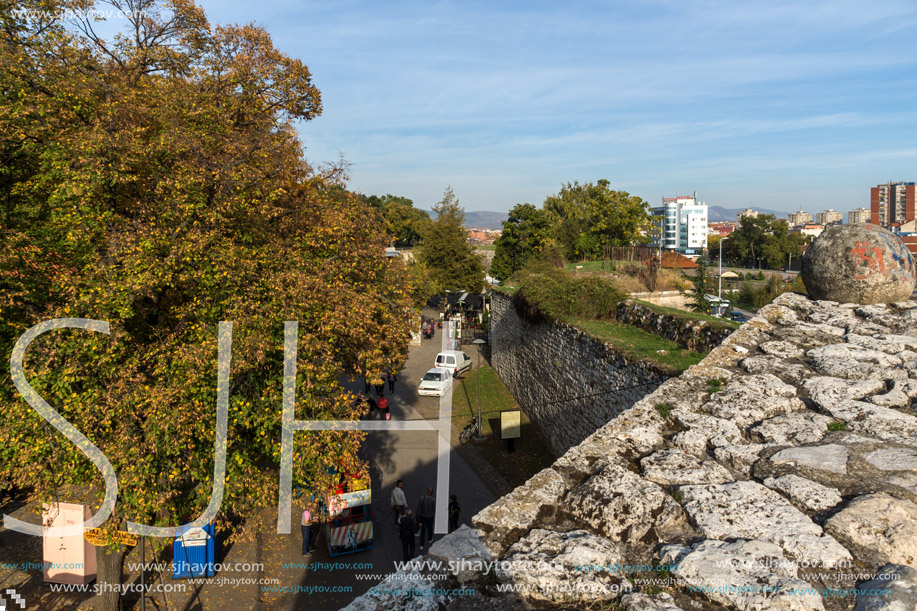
x=445, y=250
x=701, y=282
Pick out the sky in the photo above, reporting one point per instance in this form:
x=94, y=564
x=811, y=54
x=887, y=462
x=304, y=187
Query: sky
x=781, y=105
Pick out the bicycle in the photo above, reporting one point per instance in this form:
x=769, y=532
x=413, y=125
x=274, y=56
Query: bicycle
x=471, y=429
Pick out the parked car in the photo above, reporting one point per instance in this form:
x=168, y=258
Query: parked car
x=455, y=361
x=738, y=316
x=435, y=382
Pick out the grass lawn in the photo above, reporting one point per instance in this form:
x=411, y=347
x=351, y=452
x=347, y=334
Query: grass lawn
x=713, y=320
x=531, y=454
x=639, y=344
x=485, y=247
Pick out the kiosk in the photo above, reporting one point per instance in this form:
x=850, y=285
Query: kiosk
x=348, y=522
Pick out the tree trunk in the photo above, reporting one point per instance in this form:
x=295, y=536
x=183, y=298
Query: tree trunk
x=110, y=566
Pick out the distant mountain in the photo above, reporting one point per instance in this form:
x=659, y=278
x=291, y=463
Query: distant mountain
x=485, y=220
x=718, y=213
x=480, y=219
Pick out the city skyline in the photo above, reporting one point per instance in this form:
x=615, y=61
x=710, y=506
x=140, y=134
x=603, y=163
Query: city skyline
x=770, y=105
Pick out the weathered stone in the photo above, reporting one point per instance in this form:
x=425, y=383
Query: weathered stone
x=742, y=457
x=782, y=349
x=674, y=467
x=885, y=342
x=880, y=527
x=749, y=510
x=693, y=441
x=860, y=263
x=893, y=398
x=809, y=328
x=804, y=492
x=549, y=565
x=831, y=457
x=908, y=387
x=707, y=425
x=752, y=399
x=776, y=366
x=464, y=552
x=893, y=589
x=893, y=459
x=908, y=481
x=638, y=601
x=745, y=574
x=798, y=428
x=881, y=422
x=827, y=391
x=625, y=507
x=853, y=362
x=522, y=509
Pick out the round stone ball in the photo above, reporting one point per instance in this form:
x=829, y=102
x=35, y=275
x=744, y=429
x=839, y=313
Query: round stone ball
x=858, y=263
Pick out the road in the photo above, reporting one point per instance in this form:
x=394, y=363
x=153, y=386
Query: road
x=392, y=455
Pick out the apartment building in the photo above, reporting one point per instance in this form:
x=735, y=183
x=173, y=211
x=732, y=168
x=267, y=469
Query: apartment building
x=892, y=203
x=681, y=224
x=860, y=215
x=798, y=219
x=829, y=217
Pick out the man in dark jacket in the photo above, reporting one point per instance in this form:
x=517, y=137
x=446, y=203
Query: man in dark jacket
x=406, y=530
x=426, y=509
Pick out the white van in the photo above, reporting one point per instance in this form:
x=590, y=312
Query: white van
x=455, y=361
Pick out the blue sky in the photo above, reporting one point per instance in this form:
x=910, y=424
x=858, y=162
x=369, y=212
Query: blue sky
x=774, y=104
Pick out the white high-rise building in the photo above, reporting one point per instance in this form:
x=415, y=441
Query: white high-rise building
x=681, y=224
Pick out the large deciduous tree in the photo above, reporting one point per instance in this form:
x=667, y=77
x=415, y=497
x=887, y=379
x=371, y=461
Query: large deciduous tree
x=525, y=233
x=763, y=237
x=156, y=182
x=445, y=250
x=404, y=223
x=592, y=217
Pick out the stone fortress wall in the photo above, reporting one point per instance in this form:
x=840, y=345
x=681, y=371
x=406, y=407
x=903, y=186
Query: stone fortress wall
x=779, y=473
x=691, y=333
x=543, y=362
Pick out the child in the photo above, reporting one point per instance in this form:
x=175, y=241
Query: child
x=454, y=511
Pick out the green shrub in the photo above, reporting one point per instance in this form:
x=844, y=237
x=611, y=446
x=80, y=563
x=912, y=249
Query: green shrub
x=664, y=409
x=559, y=294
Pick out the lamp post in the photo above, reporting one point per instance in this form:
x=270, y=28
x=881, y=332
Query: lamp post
x=720, y=291
x=480, y=436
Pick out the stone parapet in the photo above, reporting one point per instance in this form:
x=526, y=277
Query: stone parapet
x=778, y=473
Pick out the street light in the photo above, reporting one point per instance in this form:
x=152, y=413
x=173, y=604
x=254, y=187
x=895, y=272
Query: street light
x=720, y=292
x=480, y=436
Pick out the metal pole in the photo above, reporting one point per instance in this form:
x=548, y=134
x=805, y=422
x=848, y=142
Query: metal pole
x=480, y=436
x=142, y=576
x=720, y=292
x=480, y=422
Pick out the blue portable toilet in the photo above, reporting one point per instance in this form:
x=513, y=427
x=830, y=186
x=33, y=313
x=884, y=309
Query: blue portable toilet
x=194, y=553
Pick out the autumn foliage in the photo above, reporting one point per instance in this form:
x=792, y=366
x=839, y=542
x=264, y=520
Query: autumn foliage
x=155, y=181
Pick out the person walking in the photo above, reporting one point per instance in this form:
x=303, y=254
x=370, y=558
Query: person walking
x=426, y=510
x=399, y=501
x=383, y=408
x=454, y=511
x=391, y=382
x=406, y=530
x=373, y=408
x=366, y=386
x=380, y=388
x=307, y=520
